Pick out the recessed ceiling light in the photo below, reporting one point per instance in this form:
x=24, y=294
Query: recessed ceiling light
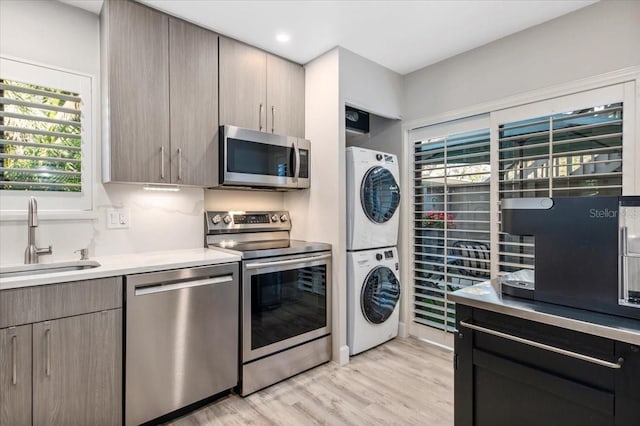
x=283, y=37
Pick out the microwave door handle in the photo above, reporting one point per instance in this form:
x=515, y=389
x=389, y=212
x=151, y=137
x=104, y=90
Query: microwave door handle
x=297, y=166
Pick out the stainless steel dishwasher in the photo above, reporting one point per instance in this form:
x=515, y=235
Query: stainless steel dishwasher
x=181, y=338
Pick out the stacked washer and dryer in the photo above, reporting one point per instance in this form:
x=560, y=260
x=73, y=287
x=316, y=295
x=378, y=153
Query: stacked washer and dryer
x=373, y=284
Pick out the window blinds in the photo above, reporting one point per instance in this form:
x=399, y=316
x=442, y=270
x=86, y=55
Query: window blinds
x=40, y=138
x=574, y=153
x=451, y=222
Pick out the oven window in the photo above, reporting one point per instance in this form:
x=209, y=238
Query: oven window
x=260, y=158
x=285, y=304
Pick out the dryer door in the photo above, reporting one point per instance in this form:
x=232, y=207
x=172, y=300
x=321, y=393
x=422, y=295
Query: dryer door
x=380, y=294
x=379, y=194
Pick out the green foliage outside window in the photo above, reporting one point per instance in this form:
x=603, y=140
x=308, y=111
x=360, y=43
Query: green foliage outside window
x=40, y=132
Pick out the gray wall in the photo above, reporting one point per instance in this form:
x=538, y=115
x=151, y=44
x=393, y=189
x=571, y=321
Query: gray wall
x=384, y=135
x=594, y=40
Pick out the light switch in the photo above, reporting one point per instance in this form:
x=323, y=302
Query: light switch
x=118, y=218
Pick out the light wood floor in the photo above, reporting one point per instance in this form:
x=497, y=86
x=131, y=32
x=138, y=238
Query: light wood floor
x=403, y=382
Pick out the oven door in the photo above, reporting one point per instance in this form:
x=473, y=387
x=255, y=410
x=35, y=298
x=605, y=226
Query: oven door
x=285, y=301
x=252, y=158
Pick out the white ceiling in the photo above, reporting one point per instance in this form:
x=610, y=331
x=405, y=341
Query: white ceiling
x=401, y=35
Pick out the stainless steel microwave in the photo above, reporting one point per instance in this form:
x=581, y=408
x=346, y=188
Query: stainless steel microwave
x=249, y=158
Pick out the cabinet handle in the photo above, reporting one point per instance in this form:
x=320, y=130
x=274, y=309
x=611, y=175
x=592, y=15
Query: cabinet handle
x=273, y=118
x=549, y=348
x=260, y=117
x=162, y=162
x=47, y=362
x=179, y=163
x=14, y=357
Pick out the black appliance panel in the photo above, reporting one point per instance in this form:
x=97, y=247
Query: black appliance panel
x=287, y=303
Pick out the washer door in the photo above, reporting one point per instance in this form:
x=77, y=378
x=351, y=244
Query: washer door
x=380, y=294
x=379, y=194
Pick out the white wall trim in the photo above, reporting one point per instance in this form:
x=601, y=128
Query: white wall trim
x=402, y=329
x=50, y=210
x=439, y=345
x=344, y=355
x=562, y=89
x=43, y=65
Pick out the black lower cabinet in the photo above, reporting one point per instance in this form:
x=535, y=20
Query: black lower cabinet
x=502, y=382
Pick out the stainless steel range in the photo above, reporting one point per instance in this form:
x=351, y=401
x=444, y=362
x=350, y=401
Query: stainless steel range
x=285, y=295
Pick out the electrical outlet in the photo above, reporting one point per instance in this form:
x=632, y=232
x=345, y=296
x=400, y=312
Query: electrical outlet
x=118, y=218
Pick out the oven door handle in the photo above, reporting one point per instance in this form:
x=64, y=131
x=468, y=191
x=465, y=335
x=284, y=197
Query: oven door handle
x=300, y=260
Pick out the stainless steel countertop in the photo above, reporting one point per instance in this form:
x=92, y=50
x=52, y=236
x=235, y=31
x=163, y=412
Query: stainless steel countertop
x=487, y=295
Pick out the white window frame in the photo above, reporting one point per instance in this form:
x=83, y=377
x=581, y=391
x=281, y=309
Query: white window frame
x=576, y=92
x=55, y=204
x=464, y=125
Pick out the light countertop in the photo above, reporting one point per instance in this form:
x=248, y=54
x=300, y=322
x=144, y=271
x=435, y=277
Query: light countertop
x=125, y=264
x=487, y=295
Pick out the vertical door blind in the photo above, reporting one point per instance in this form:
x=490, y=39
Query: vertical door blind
x=40, y=138
x=575, y=153
x=451, y=222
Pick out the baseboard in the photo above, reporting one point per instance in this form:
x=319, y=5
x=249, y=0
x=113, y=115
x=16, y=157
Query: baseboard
x=344, y=355
x=402, y=330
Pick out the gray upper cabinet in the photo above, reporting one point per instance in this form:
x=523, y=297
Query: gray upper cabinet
x=243, y=86
x=15, y=376
x=160, y=118
x=77, y=367
x=135, y=58
x=260, y=91
x=193, y=59
x=285, y=97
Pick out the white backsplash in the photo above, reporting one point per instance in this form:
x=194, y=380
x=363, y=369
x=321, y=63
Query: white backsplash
x=158, y=221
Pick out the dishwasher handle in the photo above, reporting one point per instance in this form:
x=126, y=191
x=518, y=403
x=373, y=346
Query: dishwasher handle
x=143, y=290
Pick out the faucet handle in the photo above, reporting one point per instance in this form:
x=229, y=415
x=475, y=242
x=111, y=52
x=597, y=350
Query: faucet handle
x=43, y=251
x=84, y=253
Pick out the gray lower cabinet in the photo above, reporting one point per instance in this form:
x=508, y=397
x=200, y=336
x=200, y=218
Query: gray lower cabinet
x=15, y=376
x=77, y=370
x=260, y=91
x=61, y=354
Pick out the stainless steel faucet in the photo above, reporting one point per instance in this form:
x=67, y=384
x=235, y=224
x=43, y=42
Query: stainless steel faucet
x=32, y=252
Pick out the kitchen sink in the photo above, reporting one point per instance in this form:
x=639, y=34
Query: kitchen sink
x=46, y=268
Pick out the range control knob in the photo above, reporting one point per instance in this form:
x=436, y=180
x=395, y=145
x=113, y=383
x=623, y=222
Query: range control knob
x=274, y=218
x=227, y=219
x=283, y=218
x=378, y=256
x=216, y=219
x=378, y=157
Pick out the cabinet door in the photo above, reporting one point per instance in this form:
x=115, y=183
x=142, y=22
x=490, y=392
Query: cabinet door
x=15, y=376
x=285, y=97
x=242, y=85
x=77, y=370
x=193, y=57
x=508, y=393
x=137, y=52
